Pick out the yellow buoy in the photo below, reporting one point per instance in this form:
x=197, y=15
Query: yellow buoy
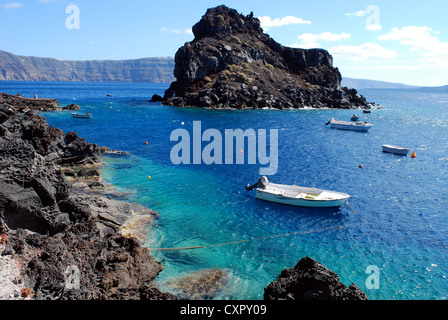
x=149, y=177
x=413, y=155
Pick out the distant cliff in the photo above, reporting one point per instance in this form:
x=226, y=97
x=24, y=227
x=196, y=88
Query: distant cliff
x=231, y=63
x=18, y=68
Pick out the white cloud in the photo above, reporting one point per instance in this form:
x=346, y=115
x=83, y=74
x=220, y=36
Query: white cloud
x=421, y=40
x=360, y=13
x=374, y=27
x=175, y=30
x=267, y=22
x=13, y=5
x=310, y=40
x=365, y=51
x=373, y=19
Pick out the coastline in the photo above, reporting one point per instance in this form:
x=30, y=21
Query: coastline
x=55, y=218
x=67, y=234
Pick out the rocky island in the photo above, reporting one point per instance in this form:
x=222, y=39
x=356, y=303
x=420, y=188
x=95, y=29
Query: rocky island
x=232, y=63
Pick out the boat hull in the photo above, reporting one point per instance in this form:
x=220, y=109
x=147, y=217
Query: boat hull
x=81, y=116
x=395, y=149
x=343, y=125
x=308, y=200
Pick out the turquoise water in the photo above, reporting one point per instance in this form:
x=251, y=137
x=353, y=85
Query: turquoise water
x=400, y=224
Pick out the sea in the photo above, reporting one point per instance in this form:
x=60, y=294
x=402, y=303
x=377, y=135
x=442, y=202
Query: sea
x=391, y=239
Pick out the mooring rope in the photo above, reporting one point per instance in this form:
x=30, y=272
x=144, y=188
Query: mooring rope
x=255, y=239
x=205, y=204
x=348, y=205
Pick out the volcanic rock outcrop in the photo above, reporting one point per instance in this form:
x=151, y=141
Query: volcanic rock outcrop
x=310, y=280
x=69, y=244
x=18, y=103
x=231, y=63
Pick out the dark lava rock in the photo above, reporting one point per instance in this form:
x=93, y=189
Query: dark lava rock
x=56, y=231
x=72, y=106
x=231, y=63
x=86, y=172
x=310, y=280
x=156, y=98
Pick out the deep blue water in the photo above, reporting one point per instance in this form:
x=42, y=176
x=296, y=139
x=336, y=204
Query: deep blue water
x=400, y=224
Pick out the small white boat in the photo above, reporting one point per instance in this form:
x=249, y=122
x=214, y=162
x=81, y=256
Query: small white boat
x=297, y=196
x=346, y=125
x=395, y=149
x=86, y=115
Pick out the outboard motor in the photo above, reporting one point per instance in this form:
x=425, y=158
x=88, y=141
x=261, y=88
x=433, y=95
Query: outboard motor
x=261, y=183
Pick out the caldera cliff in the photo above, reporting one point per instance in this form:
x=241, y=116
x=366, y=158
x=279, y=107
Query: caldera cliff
x=232, y=63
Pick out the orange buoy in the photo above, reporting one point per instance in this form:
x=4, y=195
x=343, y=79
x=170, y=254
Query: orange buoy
x=413, y=155
x=361, y=166
x=146, y=142
x=2, y=238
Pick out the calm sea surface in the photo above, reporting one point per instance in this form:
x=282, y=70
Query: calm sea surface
x=401, y=220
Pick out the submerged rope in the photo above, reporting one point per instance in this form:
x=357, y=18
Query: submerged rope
x=350, y=207
x=205, y=204
x=255, y=239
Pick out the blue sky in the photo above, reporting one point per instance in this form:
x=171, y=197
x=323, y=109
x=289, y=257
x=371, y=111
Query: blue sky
x=394, y=40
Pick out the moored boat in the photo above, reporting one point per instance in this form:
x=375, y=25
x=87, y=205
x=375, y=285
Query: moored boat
x=395, y=149
x=297, y=196
x=86, y=115
x=354, y=117
x=345, y=125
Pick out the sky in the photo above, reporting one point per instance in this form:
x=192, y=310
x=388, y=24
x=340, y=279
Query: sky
x=394, y=40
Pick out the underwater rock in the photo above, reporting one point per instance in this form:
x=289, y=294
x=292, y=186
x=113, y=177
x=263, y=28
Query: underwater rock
x=200, y=285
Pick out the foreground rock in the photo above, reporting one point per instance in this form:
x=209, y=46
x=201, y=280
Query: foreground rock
x=310, y=280
x=231, y=63
x=69, y=244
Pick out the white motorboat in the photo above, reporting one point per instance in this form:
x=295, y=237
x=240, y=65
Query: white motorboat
x=297, y=196
x=346, y=125
x=395, y=149
x=86, y=115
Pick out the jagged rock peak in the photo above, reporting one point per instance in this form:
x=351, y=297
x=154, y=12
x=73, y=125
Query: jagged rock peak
x=232, y=63
x=221, y=20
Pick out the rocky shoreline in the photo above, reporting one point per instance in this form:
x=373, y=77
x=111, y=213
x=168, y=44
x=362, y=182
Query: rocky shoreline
x=55, y=231
x=18, y=103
